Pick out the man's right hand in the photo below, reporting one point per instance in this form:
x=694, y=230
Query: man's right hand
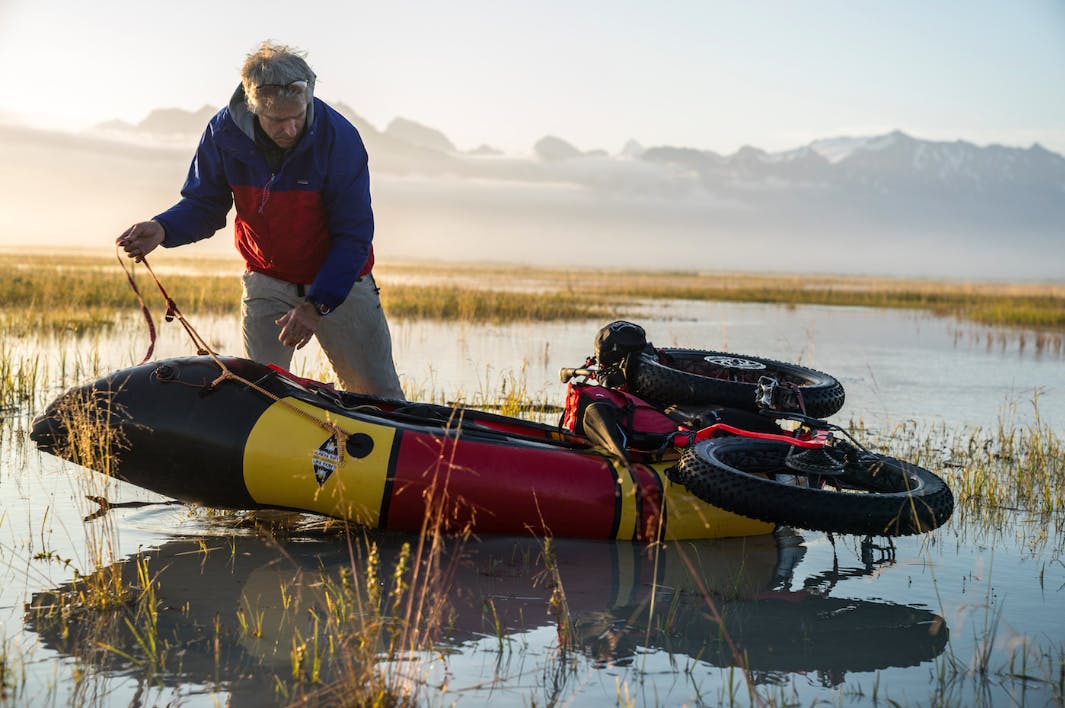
x=141, y=239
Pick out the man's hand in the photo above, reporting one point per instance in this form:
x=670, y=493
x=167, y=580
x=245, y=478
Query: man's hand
x=141, y=239
x=298, y=325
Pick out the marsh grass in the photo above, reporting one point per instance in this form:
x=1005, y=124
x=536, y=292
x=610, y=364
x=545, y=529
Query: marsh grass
x=507, y=393
x=20, y=377
x=459, y=304
x=10, y=677
x=993, y=472
x=81, y=295
x=502, y=391
x=1013, y=467
x=1033, y=307
x=1003, y=665
x=365, y=636
x=105, y=625
x=27, y=380
x=369, y=635
x=557, y=603
x=78, y=293
x=91, y=438
x=87, y=433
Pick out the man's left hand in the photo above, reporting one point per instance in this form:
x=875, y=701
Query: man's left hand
x=298, y=325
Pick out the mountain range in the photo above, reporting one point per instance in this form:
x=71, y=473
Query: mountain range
x=884, y=204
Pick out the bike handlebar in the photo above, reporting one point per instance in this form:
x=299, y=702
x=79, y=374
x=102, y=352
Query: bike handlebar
x=566, y=374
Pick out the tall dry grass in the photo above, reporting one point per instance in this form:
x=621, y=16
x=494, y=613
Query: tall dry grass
x=82, y=292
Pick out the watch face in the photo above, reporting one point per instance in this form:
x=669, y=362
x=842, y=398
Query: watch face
x=321, y=308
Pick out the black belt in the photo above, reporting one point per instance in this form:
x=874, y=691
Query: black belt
x=301, y=289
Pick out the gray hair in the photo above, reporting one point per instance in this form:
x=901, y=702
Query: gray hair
x=275, y=65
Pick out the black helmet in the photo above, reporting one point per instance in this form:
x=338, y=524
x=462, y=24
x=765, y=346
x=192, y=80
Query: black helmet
x=613, y=344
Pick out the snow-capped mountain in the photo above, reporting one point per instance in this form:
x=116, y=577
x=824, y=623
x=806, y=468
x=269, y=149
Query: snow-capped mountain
x=894, y=161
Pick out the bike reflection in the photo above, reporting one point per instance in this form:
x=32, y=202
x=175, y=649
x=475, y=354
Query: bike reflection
x=229, y=610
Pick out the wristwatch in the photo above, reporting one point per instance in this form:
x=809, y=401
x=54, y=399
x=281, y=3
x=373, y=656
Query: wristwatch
x=321, y=307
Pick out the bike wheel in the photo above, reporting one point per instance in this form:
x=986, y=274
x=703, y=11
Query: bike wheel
x=694, y=376
x=871, y=494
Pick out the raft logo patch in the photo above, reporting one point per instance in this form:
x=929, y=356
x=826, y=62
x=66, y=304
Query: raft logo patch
x=325, y=460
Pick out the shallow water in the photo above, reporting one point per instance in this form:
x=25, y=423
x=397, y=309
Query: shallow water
x=960, y=615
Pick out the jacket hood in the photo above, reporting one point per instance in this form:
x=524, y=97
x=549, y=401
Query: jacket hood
x=245, y=119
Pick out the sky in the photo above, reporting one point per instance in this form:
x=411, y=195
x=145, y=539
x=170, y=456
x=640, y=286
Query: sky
x=707, y=74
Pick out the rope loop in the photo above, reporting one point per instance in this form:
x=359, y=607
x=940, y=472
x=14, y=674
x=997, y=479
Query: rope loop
x=173, y=312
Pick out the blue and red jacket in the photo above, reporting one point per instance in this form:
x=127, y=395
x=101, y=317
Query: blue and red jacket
x=310, y=222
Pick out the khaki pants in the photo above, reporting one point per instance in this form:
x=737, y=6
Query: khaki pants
x=354, y=336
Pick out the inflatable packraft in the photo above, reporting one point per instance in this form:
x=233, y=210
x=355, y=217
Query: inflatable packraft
x=245, y=436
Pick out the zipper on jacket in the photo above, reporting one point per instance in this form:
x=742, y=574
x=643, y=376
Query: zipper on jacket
x=266, y=192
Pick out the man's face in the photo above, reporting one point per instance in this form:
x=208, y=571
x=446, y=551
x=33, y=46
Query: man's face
x=284, y=123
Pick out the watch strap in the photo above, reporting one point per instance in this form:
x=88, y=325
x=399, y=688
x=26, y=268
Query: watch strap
x=320, y=307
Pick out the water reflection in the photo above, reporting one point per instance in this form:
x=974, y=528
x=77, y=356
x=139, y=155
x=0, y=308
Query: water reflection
x=230, y=609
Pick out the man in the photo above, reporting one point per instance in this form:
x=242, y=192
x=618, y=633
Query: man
x=297, y=173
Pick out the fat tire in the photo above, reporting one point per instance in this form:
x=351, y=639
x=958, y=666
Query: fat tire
x=689, y=379
x=899, y=498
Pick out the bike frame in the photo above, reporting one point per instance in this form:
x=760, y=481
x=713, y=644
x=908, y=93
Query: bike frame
x=818, y=439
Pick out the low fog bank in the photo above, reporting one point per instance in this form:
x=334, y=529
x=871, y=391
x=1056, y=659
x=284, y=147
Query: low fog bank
x=556, y=225
x=649, y=209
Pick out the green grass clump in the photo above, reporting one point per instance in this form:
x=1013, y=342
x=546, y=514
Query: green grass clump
x=454, y=303
x=9, y=680
x=993, y=472
x=19, y=378
x=1012, y=468
x=1034, y=312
